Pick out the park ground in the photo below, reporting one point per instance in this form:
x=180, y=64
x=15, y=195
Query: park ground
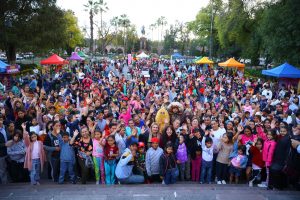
x=187, y=191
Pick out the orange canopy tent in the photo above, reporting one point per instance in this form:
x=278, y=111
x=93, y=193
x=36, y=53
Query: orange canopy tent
x=54, y=60
x=232, y=63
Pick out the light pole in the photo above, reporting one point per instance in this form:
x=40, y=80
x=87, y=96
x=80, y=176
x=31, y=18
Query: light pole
x=211, y=29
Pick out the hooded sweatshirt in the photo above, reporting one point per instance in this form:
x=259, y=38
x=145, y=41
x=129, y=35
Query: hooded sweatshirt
x=125, y=165
x=152, y=160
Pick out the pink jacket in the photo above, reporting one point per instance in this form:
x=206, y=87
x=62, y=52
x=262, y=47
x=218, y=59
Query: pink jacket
x=29, y=145
x=268, y=151
x=127, y=116
x=260, y=133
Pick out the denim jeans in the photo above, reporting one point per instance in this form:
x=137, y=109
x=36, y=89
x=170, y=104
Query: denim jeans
x=35, y=171
x=133, y=179
x=64, y=167
x=170, y=176
x=181, y=168
x=3, y=170
x=206, y=170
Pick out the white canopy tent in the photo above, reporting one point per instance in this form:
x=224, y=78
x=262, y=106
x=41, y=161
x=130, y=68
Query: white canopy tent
x=142, y=55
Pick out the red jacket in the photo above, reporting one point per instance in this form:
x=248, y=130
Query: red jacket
x=257, y=157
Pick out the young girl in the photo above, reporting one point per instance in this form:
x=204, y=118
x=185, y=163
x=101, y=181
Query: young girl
x=238, y=162
x=111, y=152
x=35, y=155
x=181, y=156
x=225, y=147
x=98, y=144
x=167, y=165
x=257, y=161
x=268, y=151
x=196, y=164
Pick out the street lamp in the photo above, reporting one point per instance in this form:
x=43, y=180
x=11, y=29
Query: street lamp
x=211, y=29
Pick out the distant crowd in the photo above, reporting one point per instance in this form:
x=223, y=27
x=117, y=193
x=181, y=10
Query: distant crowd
x=105, y=122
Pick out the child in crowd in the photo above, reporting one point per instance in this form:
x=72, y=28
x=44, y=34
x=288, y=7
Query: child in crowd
x=257, y=161
x=196, y=164
x=167, y=165
x=181, y=156
x=67, y=158
x=141, y=161
x=238, y=162
x=152, y=160
x=225, y=147
x=98, y=154
x=268, y=151
x=111, y=152
x=35, y=155
x=207, y=159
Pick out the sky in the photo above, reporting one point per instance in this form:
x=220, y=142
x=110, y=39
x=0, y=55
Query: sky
x=140, y=12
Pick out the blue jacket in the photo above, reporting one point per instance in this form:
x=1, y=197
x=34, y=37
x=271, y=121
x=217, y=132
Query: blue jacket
x=66, y=151
x=125, y=165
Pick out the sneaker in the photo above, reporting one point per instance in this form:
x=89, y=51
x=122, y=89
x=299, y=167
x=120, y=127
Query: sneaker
x=223, y=182
x=97, y=182
x=38, y=183
x=262, y=185
x=201, y=182
x=250, y=184
x=219, y=182
x=163, y=182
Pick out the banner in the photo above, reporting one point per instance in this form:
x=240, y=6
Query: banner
x=12, y=69
x=129, y=57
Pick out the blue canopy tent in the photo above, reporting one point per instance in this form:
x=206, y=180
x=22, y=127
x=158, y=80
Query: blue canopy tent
x=176, y=56
x=3, y=67
x=283, y=71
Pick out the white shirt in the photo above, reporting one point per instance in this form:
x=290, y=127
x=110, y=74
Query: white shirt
x=35, y=150
x=218, y=134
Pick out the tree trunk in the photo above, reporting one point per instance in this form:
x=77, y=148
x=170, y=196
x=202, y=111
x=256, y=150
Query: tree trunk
x=102, y=39
x=11, y=54
x=92, y=31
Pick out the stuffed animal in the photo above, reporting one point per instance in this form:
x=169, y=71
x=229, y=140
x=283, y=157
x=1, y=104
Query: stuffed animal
x=162, y=118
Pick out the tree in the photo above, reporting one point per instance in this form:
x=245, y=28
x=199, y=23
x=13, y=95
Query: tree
x=280, y=31
x=92, y=7
x=102, y=8
x=25, y=26
x=72, y=31
x=124, y=22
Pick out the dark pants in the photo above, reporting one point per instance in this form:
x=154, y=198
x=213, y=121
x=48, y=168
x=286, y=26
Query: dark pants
x=170, y=176
x=222, y=171
x=214, y=163
x=17, y=172
x=84, y=170
x=277, y=179
x=155, y=178
x=54, y=162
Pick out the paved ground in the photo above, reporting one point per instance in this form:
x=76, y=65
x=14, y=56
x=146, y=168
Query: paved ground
x=50, y=191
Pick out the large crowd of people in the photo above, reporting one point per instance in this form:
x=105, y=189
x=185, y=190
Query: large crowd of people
x=105, y=121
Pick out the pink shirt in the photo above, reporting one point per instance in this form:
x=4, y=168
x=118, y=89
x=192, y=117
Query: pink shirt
x=236, y=161
x=35, y=150
x=97, y=148
x=246, y=138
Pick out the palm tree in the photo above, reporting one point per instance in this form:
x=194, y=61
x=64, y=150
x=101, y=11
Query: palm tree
x=102, y=6
x=152, y=27
x=92, y=7
x=158, y=23
x=124, y=22
x=163, y=22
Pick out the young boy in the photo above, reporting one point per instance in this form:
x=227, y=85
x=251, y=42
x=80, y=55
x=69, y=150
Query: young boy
x=152, y=160
x=207, y=159
x=67, y=158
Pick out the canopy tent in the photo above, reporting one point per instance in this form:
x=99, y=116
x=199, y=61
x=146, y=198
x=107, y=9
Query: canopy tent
x=176, y=56
x=75, y=56
x=142, y=55
x=283, y=71
x=3, y=67
x=196, y=59
x=54, y=60
x=232, y=63
x=82, y=55
x=204, y=60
